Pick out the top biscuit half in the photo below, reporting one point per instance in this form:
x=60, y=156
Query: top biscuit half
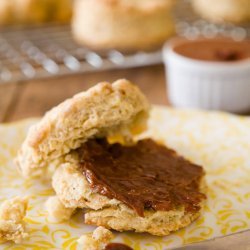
x=102, y=111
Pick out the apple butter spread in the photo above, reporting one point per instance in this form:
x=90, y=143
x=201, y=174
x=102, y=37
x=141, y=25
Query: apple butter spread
x=117, y=246
x=220, y=50
x=143, y=176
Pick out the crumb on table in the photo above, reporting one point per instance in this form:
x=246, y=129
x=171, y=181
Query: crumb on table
x=96, y=240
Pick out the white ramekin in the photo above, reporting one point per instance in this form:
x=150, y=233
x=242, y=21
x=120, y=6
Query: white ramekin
x=201, y=84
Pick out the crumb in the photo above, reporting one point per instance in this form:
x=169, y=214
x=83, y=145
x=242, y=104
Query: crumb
x=57, y=212
x=12, y=213
x=96, y=240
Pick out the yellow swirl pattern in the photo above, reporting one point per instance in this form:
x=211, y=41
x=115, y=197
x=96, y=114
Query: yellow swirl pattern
x=218, y=141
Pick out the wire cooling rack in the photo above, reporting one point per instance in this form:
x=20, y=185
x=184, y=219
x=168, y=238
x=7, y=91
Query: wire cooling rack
x=27, y=53
x=45, y=51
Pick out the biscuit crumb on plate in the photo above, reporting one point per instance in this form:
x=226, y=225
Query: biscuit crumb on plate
x=57, y=212
x=12, y=212
x=96, y=240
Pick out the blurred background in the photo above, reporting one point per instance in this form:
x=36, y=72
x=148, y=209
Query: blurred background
x=52, y=49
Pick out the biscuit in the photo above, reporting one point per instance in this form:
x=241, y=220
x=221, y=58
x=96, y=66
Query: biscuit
x=104, y=110
x=122, y=24
x=235, y=11
x=12, y=213
x=144, y=187
x=159, y=223
x=74, y=191
x=35, y=11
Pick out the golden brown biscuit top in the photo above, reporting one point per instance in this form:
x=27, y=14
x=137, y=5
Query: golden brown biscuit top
x=143, y=176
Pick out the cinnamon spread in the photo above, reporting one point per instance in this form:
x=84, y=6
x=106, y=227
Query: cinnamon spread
x=143, y=176
x=222, y=50
x=117, y=246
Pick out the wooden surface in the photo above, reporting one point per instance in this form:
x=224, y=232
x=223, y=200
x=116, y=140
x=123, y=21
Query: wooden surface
x=33, y=98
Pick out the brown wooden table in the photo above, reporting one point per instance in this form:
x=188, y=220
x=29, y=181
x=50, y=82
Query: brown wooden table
x=33, y=98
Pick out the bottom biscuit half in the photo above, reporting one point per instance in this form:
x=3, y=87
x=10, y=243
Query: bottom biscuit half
x=159, y=223
x=74, y=191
